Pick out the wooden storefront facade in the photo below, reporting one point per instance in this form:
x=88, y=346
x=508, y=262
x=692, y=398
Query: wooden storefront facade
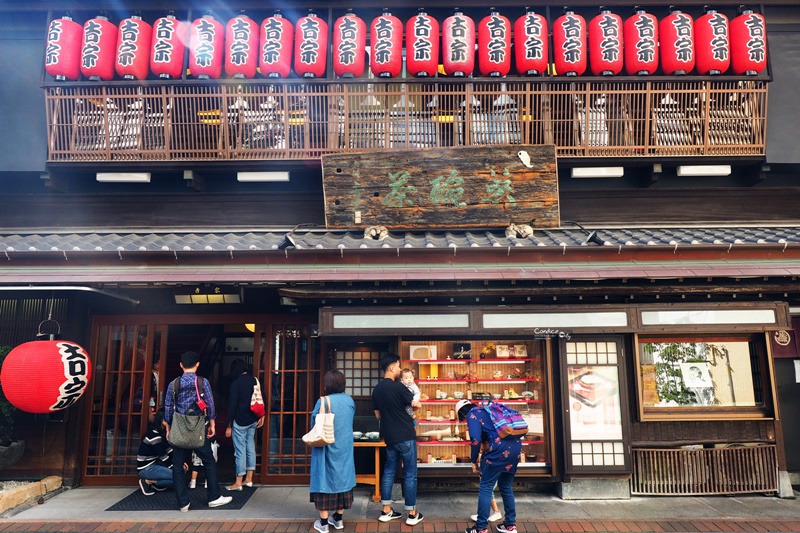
x=400, y=202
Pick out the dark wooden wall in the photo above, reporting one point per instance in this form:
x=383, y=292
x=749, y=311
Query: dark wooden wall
x=672, y=434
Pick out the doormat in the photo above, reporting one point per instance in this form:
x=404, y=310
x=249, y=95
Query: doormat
x=166, y=501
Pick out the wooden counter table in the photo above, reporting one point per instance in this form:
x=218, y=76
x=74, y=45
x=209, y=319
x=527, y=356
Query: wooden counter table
x=372, y=479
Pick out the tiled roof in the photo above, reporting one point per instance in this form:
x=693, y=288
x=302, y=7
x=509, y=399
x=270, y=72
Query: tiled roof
x=355, y=240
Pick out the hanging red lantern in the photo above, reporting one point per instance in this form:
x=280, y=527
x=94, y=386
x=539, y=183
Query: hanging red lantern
x=605, y=44
x=62, y=371
x=206, y=48
x=386, y=46
x=241, y=47
x=676, y=41
x=458, y=45
x=349, y=45
x=640, y=35
x=712, y=43
x=99, y=49
x=310, y=46
x=277, y=36
x=422, y=45
x=62, y=57
x=749, y=44
x=494, y=45
x=133, y=48
x=530, y=44
x=166, y=56
x=569, y=44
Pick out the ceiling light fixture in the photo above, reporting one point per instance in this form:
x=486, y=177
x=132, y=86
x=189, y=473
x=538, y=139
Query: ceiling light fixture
x=254, y=177
x=598, y=172
x=212, y=294
x=123, y=177
x=704, y=170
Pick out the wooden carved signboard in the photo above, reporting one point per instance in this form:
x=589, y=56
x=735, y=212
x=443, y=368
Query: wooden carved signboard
x=470, y=187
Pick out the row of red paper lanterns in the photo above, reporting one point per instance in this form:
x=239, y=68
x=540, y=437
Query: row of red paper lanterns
x=679, y=44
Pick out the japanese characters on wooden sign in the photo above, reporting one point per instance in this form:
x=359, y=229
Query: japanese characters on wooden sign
x=467, y=187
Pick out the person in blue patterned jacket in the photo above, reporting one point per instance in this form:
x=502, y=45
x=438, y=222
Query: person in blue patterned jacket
x=498, y=465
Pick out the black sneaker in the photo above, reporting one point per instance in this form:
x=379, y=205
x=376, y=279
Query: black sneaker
x=157, y=488
x=502, y=528
x=147, y=490
x=391, y=515
x=474, y=529
x=414, y=520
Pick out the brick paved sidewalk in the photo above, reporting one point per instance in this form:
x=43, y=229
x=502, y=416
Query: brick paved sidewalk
x=373, y=526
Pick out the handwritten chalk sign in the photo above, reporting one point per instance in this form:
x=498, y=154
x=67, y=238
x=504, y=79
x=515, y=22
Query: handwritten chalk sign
x=485, y=186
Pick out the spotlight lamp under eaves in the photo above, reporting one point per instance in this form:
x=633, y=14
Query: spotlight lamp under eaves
x=288, y=240
x=591, y=236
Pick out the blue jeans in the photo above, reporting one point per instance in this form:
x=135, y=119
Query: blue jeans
x=244, y=447
x=158, y=473
x=183, y=455
x=489, y=476
x=407, y=452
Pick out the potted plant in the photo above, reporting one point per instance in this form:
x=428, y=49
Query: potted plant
x=10, y=450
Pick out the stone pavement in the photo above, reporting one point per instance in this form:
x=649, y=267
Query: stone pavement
x=287, y=510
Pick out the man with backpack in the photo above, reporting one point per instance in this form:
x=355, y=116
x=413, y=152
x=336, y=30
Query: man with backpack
x=498, y=463
x=184, y=395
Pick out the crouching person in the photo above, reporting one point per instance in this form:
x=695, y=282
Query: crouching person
x=154, y=459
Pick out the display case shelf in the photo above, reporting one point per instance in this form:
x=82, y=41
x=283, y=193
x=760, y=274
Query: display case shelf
x=424, y=381
x=502, y=361
x=501, y=400
x=438, y=380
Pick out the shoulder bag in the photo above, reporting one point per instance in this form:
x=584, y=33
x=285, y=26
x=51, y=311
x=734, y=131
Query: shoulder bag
x=322, y=432
x=256, y=401
x=188, y=430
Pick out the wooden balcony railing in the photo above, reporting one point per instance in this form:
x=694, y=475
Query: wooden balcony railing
x=301, y=121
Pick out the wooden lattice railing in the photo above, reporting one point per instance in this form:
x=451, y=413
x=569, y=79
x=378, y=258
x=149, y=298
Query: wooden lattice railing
x=292, y=120
x=733, y=470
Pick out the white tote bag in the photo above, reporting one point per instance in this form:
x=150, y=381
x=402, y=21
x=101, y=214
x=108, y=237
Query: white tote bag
x=322, y=432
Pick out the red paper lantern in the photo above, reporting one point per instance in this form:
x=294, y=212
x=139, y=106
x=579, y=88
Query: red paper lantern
x=386, y=46
x=310, y=46
x=569, y=44
x=494, y=45
x=749, y=44
x=45, y=376
x=605, y=44
x=206, y=44
x=166, y=56
x=530, y=44
x=277, y=36
x=99, y=49
x=640, y=34
x=349, y=46
x=422, y=45
x=62, y=57
x=676, y=41
x=458, y=45
x=712, y=43
x=133, y=48
x=241, y=47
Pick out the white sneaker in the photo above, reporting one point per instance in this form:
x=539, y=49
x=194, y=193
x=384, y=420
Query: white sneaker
x=319, y=526
x=192, y=483
x=414, y=520
x=185, y=508
x=222, y=500
x=494, y=517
